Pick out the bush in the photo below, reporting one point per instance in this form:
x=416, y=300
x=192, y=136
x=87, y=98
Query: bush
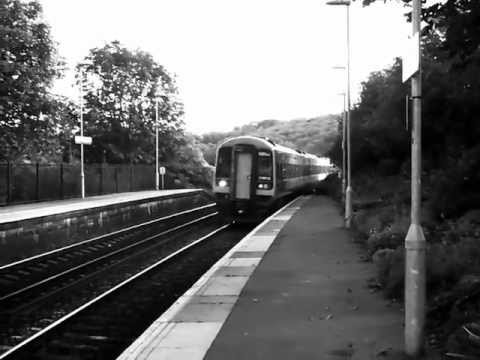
x=331, y=186
x=390, y=265
x=385, y=239
x=447, y=263
x=455, y=188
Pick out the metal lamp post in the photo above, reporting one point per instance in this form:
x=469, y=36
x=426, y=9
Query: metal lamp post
x=159, y=171
x=344, y=165
x=348, y=192
x=415, y=267
x=344, y=115
x=157, y=174
x=82, y=169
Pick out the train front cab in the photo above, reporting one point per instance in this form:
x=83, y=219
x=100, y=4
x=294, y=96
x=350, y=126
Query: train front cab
x=244, y=181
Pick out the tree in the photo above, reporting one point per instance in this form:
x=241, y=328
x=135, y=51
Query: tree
x=120, y=91
x=457, y=23
x=28, y=63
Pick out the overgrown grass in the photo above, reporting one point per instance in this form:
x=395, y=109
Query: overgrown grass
x=452, y=256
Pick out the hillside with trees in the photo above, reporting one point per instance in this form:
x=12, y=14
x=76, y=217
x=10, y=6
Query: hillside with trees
x=450, y=177
x=315, y=135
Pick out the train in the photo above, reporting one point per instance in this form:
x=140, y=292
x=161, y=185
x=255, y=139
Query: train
x=253, y=174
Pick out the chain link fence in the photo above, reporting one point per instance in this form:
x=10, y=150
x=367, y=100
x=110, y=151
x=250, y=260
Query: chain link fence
x=24, y=183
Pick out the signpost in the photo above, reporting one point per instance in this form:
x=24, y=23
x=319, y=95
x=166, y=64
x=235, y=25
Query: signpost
x=411, y=57
x=162, y=173
x=83, y=140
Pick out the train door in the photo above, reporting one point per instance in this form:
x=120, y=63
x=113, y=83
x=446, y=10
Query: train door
x=243, y=175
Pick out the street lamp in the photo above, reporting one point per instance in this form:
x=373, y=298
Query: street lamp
x=160, y=93
x=415, y=243
x=157, y=169
x=348, y=194
x=82, y=167
x=344, y=115
x=157, y=174
x=344, y=165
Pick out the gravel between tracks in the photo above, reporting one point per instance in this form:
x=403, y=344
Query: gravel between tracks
x=106, y=331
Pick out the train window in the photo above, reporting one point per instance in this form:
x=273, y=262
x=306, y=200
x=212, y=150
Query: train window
x=264, y=165
x=224, y=162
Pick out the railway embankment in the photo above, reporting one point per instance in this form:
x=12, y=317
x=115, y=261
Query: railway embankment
x=381, y=220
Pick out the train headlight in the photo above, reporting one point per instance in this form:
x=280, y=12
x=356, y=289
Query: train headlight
x=264, y=186
x=222, y=183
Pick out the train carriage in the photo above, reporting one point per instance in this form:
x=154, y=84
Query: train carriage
x=253, y=173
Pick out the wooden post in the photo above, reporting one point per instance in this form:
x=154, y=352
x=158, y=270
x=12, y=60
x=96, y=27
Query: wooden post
x=101, y=178
x=9, y=183
x=61, y=181
x=37, y=181
x=116, y=179
x=131, y=177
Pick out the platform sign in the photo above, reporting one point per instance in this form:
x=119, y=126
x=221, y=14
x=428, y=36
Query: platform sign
x=162, y=172
x=411, y=57
x=85, y=140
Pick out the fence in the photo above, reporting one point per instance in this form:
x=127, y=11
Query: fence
x=22, y=183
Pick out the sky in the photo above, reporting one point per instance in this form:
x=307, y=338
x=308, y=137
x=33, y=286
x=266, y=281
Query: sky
x=238, y=61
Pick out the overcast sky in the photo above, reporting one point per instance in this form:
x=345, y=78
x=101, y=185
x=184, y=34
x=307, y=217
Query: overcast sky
x=238, y=61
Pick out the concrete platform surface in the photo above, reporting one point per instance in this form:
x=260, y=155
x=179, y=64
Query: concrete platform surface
x=188, y=327
x=46, y=208
x=308, y=299
x=294, y=288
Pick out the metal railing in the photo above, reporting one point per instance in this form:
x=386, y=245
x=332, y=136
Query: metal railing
x=23, y=183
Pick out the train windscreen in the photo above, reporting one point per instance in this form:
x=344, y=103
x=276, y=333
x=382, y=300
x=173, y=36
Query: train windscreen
x=224, y=162
x=265, y=166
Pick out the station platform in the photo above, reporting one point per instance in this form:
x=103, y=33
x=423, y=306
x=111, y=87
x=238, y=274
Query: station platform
x=47, y=208
x=33, y=229
x=294, y=288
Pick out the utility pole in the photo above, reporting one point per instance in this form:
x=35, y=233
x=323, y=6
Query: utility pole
x=415, y=290
x=344, y=165
x=348, y=193
x=82, y=169
x=344, y=149
x=157, y=175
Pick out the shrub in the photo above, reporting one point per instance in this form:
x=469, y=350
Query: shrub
x=390, y=266
x=331, y=186
x=455, y=188
x=385, y=239
x=447, y=263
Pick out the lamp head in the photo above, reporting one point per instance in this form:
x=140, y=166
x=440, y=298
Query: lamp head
x=339, y=2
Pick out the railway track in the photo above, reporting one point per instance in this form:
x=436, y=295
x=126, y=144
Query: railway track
x=104, y=326
x=30, y=278
x=38, y=305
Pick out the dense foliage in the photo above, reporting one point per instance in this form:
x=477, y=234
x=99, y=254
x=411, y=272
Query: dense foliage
x=315, y=135
x=450, y=177
x=451, y=150
x=121, y=88
x=28, y=64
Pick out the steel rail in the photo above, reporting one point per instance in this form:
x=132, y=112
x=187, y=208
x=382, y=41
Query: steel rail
x=113, y=233
x=92, y=302
x=103, y=257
